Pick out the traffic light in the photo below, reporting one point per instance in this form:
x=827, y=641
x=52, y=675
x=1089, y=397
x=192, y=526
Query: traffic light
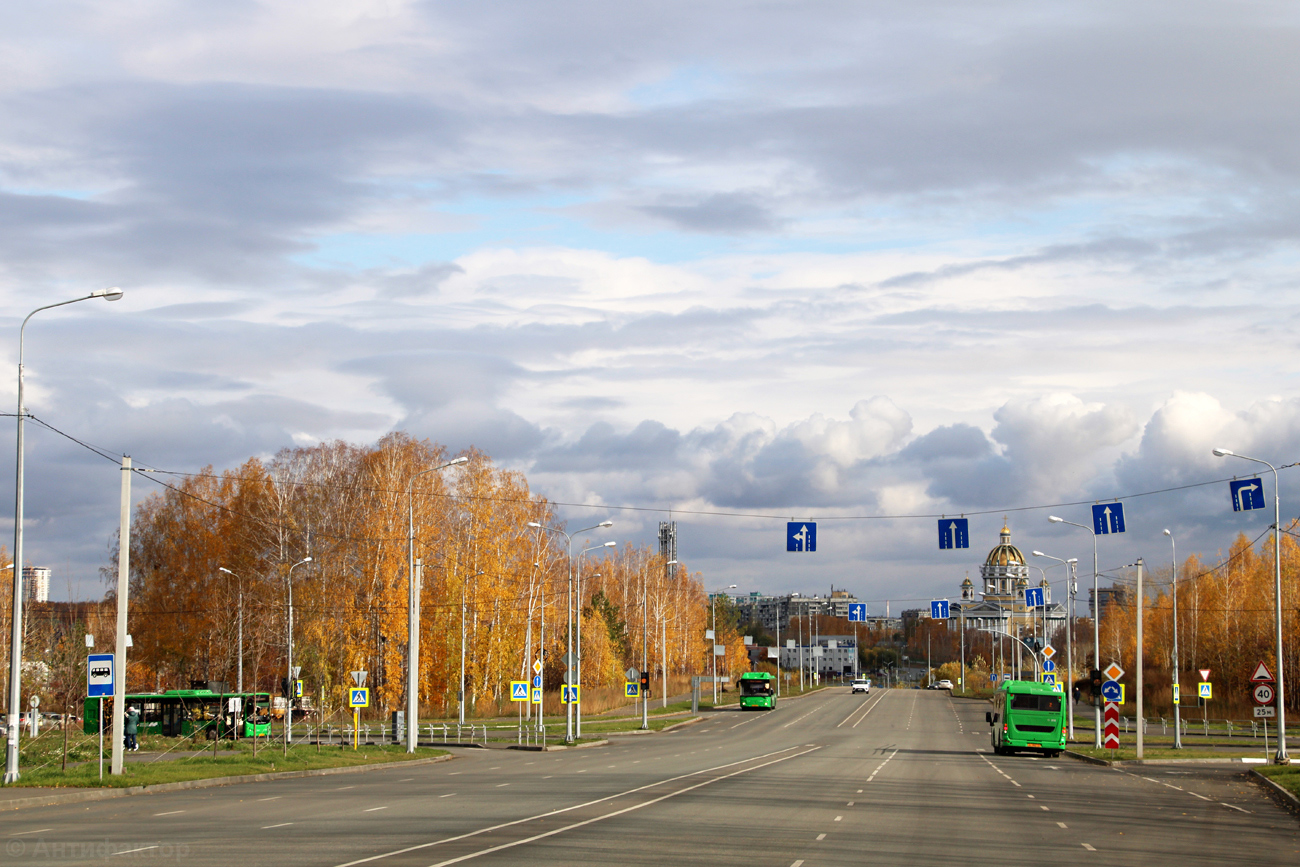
x=1096, y=682
x=645, y=683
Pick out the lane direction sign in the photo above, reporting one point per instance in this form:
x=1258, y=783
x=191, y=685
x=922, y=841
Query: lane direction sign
x=1261, y=675
x=519, y=690
x=1107, y=518
x=940, y=609
x=1110, y=690
x=801, y=536
x=537, y=681
x=1247, y=494
x=1048, y=665
x=1033, y=597
x=954, y=533
x=857, y=612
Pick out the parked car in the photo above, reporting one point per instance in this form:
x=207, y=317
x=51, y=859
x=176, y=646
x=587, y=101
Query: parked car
x=861, y=684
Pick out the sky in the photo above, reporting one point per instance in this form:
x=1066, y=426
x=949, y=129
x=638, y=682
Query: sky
x=724, y=263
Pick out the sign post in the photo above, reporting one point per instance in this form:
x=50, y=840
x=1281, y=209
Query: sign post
x=99, y=684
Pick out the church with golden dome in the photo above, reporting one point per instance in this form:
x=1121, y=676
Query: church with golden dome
x=1001, y=605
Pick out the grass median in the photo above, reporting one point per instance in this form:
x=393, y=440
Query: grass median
x=1286, y=776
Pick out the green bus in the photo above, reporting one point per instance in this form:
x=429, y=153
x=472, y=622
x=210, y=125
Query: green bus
x=757, y=690
x=1027, y=716
x=186, y=712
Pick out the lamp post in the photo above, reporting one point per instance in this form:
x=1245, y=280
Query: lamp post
x=713, y=604
x=578, y=616
x=289, y=679
x=1173, y=581
x=461, y=695
x=568, y=541
x=663, y=623
x=413, y=611
x=239, y=666
x=1096, y=629
x=1281, y=757
x=16, y=633
x=1069, y=634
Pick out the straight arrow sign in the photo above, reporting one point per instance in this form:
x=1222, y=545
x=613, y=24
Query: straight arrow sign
x=953, y=533
x=1108, y=518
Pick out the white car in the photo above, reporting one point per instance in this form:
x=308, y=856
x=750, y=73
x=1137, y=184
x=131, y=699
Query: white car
x=861, y=684
x=941, y=684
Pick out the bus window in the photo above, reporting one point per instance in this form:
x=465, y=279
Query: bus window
x=1023, y=701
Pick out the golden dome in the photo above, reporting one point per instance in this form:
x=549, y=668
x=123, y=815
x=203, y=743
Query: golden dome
x=1005, y=554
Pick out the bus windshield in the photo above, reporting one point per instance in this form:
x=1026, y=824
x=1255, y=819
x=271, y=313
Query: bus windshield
x=1024, y=701
x=755, y=687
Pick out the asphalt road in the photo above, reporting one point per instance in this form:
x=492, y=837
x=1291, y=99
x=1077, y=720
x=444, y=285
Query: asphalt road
x=900, y=777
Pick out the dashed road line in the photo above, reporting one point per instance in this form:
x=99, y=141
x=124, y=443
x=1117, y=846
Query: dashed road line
x=374, y=809
x=281, y=825
x=1088, y=847
x=821, y=836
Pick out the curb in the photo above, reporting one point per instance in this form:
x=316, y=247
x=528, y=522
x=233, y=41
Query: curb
x=211, y=782
x=1080, y=757
x=1279, y=793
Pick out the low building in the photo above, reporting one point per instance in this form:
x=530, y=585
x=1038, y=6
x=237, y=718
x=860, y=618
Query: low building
x=829, y=655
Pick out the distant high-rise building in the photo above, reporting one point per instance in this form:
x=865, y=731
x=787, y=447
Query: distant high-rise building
x=36, y=579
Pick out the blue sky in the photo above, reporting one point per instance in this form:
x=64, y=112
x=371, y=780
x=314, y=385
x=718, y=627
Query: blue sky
x=744, y=257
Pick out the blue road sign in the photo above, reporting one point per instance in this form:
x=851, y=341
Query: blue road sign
x=537, y=696
x=537, y=681
x=519, y=690
x=1108, y=518
x=359, y=697
x=953, y=533
x=801, y=536
x=1034, y=597
x=1110, y=690
x=939, y=609
x=1048, y=665
x=1247, y=494
x=857, y=612
x=99, y=674
x=1049, y=678
x=631, y=689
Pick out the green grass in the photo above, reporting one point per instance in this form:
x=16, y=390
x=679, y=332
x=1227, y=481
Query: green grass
x=1286, y=776
x=238, y=762
x=1128, y=751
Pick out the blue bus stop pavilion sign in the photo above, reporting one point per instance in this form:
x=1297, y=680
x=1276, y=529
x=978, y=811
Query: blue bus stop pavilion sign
x=801, y=536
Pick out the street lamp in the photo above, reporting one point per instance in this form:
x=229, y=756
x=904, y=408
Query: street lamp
x=1173, y=580
x=578, y=614
x=1281, y=757
x=1096, y=629
x=240, y=664
x=413, y=612
x=1069, y=632
x=461, y=696
x=568, y=540
x=713, y=604
x=289, y=679
x=16, y=635
x=663, y=625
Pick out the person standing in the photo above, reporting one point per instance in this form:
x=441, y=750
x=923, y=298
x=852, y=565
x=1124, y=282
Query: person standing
x=131, y=728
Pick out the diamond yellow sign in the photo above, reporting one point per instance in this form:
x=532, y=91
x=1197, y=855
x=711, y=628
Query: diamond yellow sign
x=1049, y=651
x=1113, y=671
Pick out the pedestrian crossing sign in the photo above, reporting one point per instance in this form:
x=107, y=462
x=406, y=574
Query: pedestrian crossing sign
x=570, y=694
x=359, y=697
x=631, y=689
x=519, y=690
x=1049, y=679
x=537, y=695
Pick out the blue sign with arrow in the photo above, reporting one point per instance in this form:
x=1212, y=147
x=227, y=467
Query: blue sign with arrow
x=1247, y=494
x=857, y=612
x=1034, y=597
x=954, y=533
x=801, y=536
x=1111, y=692
x=537, y=681
x=1049, y=666
x=939, y=609
x=1107, y=518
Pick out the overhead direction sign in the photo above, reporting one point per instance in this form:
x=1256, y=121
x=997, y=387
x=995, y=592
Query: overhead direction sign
x=857, y=612
x=1107, y=518
x=99, y=674
x=1262, y=674
x=954, y=533
x=1247, y=494
x=359, y=697
x=1113, y=671
x=1034, y=597
x=801, y=536
x=940, y=609
x=519, y=690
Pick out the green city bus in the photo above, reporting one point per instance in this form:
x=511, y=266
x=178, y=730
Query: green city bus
x=186, y=712
x=1027, y=716
x=757, y=690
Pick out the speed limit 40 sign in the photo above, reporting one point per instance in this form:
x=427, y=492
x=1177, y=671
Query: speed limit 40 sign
x=1262, y=693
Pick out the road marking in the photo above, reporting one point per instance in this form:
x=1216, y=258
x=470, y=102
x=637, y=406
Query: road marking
x=1043, y=807
x=448, y=795
x=341, y=788
x=637, y=762
x=548, y=776
x=1089, y=848
x=1202, y=797
x=1028, y=796
x=821, y=836
x=798, y=863
x=866, y=705
x=373, y=809
x=172, y=813
x=583, y=771
x=407, y=780
x=838, y=818
x=495, y=768
x=881, y=766
x=573, y=807
x=805, y=716
x=37, y=831
x=1014, y=783
x=276, y=798
x=502, y=785
x=859, y=791
x=281, y=825
x=141, y=849
x=455, y=773
x=1234, y=807
x=849, y=804
x=1061, y=824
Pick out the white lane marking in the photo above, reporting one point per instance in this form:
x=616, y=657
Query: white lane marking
x=881, y=766
x=407, y=780
x=1014, y=783
x=859, y=791
x=1088, y=847
x=805, y=716
x=341, y=788
x=838, y=818
x=281, y=825
x=172, y=813
x=276, y=798
x=867, y=705
x=455, y=773
x=849, y=804
x=1234, y=807
x=821, y=836
x=502, y=785
x=573, y=807
x=1028, y=796
x=1061, y=824
x=798, y=863
x=495, y=768
x=548, y=776
x=448, y=795
x=1202, y=797
x=373, y=809
x=141, y=849
x=1044, y=807
x=37, y=831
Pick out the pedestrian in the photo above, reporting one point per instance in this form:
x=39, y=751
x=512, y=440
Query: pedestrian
x=1076, y=695
x=132, y=727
